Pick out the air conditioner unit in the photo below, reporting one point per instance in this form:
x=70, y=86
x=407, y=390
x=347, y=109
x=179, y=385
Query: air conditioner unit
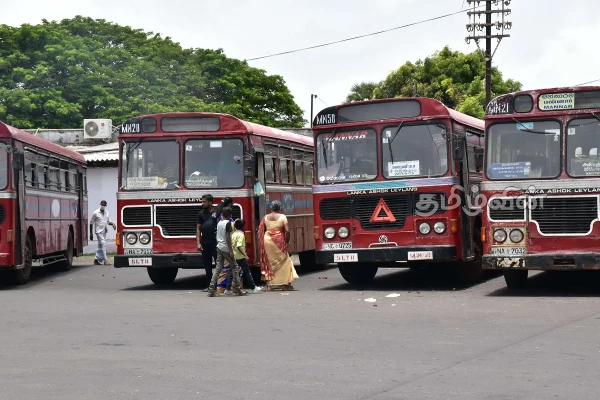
x=97, y=128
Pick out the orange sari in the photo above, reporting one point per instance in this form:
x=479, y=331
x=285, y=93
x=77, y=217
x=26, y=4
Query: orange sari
x=276, y=266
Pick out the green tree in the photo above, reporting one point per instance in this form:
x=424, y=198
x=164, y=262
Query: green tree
x=361, y=91
x=454, y=78
x=55, y=74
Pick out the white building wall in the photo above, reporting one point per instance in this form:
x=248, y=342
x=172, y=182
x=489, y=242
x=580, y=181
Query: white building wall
x=103, y=185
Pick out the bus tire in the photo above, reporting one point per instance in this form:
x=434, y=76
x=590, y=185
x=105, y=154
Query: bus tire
x=358, y=274
x=515, y=278
x=21, y=276
x=68, y=263
x=162, y=276
x=307, y=260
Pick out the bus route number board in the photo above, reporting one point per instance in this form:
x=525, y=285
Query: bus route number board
x=143, y=261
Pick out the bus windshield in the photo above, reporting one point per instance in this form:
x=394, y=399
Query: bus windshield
x=214, y=163
x=3, y=166
x=414, y=150
x=150, y=165
x=583, y=141
x=347, y=156
x=524, y=150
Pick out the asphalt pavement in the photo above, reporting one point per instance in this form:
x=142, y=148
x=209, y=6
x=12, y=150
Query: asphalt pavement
x=98, y=332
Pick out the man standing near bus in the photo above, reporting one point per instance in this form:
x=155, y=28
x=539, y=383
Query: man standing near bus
x=98, y=225
x=206, y=234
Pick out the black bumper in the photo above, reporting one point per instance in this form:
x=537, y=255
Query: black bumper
x=576, y=261
x=175, y=260
x=389, y=254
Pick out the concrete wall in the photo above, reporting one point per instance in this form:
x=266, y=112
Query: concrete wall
x=103, y=185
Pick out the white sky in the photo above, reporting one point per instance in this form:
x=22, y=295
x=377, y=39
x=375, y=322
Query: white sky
x=552, y=42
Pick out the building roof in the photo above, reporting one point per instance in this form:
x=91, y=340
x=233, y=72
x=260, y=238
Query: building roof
x=7, y=130
x=101, y=153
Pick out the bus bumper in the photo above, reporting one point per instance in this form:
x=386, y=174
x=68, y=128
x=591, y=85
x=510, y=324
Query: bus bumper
x=389, y=254
x=174, y=260
x=558, y=261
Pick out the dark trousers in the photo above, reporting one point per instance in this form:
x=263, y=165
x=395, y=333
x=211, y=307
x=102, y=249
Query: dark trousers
x=246, y=275
x=209, y=253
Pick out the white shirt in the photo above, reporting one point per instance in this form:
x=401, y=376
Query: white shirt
x=100, y=221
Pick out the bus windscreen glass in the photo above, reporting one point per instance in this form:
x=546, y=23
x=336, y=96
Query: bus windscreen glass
x=150, y=165
x=214, y=163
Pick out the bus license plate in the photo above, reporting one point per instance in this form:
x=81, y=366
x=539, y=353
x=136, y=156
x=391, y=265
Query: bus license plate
x=348, y=257
x=137, y=252
x=140, y=261
x=420, y=255
x=508, y=251
x=337, y=246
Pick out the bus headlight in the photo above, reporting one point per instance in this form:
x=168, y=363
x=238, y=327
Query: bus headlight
x=439, y=227
x=500, y=235
x=131, y=238
x=424, y=228
x=329, y=233
x=144, y=238
x=343, y=232
x=516, y=235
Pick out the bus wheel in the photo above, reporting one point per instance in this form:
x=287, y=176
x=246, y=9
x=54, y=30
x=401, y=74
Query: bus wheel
x=21, y=276
x=307, y=260
x=358, y=274
x=162, y=276
x=515, y=279
x=68, y=263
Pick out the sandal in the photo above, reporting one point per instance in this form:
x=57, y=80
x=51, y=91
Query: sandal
x=287, y=288
x=241, y=293
x=270, y=289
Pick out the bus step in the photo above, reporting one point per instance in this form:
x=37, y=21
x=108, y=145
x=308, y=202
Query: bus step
x=52, y=260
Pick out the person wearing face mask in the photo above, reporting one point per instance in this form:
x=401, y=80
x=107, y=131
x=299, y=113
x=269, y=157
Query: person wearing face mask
x=98, y=225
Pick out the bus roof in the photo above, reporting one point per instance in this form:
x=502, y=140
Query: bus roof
x=228, y=125
x=571, y=99
x=427, y=108
x=32, y=140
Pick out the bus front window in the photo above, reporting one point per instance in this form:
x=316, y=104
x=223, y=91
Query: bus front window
x=414, y=150
x=4, y=168
x=150, y=165
x=347, y=156
x=523, y=150
x=212, y=163
x=583, y=141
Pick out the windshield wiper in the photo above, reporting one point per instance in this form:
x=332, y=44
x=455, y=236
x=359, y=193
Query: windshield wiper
x=525, y=129
x=595, y=116
x=326, y=145
x=392, y=139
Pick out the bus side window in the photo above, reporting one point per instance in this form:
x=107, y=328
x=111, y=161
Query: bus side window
x=64, y=176
x=73, y=177
x=85, y=182
x=285, y=167
x=29, y=169
x=53, y=174
x=298, y=170
x=42, y=171
x=269, y=170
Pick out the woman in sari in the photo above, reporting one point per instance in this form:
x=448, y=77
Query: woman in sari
x=276, y=266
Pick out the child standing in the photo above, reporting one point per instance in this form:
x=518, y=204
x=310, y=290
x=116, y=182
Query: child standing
x=225, y=252
x=238, y=241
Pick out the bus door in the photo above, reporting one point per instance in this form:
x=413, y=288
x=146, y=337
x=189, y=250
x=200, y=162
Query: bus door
x=467, y=227
x=81, y=224
x=19, y=179
x=260, y=206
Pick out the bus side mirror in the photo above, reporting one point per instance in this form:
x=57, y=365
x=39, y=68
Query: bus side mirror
x=478, y=158
x=458, y=149
x=17, y=160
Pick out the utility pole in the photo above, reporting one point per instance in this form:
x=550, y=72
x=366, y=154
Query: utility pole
x=501, y=24
x=312, y=97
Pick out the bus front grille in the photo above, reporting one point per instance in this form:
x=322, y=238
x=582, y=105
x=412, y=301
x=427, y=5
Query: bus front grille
x=137, y=215
x=181, y=220
x=507, y=209
x=565, y=215
x=400, y=205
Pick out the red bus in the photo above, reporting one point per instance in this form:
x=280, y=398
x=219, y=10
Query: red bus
x=168, y=161
x=542, y=182
x=391, y=180
x=43, y=204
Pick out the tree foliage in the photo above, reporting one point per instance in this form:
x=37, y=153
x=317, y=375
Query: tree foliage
x=361, y=91
x=454, y=78
x=55, y=74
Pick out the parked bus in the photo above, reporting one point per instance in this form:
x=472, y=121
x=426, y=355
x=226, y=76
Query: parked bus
x=386, y=190
x=542, y=182
x=43, y=204
x=168, y=161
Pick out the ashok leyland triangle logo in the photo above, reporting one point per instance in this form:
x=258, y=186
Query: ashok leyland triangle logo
x=382, y=207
